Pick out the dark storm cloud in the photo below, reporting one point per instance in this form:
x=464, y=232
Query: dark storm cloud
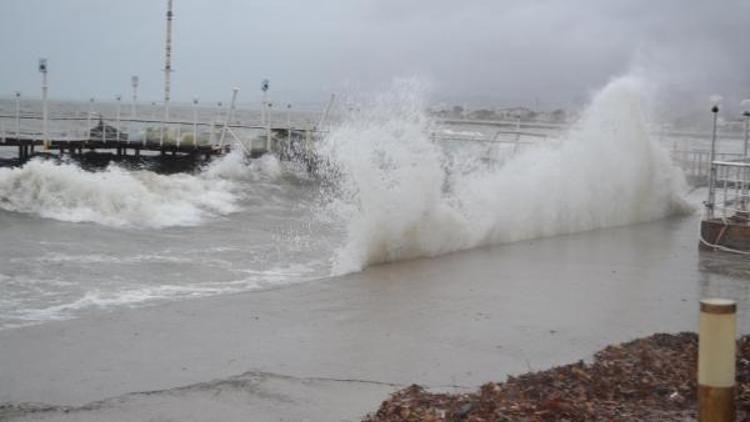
x=497, y=51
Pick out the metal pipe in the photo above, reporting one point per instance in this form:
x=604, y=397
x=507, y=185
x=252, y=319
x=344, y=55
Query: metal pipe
x=717, y=329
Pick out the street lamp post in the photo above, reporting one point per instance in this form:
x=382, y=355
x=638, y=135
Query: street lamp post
x=746, y=112
x=18, y=116
x=88, y=118
x=230, y=114
x=746, y=171
x=268, y=128
x=134, y=84
x=118, y=97
x=43, y=71
x=715, y=102
x=195, y=121
x=264, y=85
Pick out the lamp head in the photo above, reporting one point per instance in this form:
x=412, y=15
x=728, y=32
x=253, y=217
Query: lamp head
x=745, y=104
x=715, y=101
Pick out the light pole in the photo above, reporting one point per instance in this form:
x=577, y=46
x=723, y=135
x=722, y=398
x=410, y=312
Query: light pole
x=118, y=97
x=167, y=70
x=88, y=118
x=18, y=116
x=134, y=84
x=746, y=112
x=43, y=71
x=268, y=128
x=264, y=85
x=212, y=135
x=715, y=102
x=195, y=121
x=230, y=113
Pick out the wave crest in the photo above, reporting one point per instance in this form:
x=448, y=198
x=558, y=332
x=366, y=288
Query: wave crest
x=400, y=197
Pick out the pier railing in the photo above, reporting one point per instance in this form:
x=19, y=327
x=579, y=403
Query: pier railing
x=729, y=188
x=696, y=164
x=94, y=131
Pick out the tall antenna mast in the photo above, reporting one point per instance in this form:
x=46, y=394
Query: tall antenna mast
x=168, y=61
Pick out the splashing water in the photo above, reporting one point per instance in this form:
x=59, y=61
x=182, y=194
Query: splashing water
x=390, y=189
x=122, y=198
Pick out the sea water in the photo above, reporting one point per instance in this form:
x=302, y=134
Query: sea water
x=74, y=241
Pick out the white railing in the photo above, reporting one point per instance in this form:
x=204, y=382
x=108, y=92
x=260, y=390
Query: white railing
x=728, y=188
x=695, y=163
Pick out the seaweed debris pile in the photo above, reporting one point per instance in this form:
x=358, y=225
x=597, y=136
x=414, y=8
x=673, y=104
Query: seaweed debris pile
x=651, y=379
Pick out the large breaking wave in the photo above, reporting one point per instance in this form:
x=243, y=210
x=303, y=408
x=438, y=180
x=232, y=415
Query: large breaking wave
x=400, y=198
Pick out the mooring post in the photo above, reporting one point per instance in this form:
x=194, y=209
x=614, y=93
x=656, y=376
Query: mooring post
x=717, y=329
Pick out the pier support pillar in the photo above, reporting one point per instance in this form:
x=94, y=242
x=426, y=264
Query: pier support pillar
x=717, y=330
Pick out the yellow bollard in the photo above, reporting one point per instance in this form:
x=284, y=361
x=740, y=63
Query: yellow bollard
x=716, y=360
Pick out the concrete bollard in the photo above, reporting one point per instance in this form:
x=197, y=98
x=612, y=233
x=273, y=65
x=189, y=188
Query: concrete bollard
x=716, y=360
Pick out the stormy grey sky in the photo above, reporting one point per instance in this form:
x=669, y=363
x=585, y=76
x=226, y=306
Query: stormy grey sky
x=476, y=51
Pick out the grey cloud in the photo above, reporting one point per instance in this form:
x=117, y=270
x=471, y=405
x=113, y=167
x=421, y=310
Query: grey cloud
x=494, y=51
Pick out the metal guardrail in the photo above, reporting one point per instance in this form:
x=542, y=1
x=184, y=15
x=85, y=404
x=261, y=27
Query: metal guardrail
x=731, y=180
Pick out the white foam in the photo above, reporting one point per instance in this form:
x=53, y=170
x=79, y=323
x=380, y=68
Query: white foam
x=114, y=197
x=237, y=167
x=139, y=295
x=393, y=194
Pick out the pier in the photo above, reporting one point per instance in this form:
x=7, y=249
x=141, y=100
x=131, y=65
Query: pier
x=79, y=135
